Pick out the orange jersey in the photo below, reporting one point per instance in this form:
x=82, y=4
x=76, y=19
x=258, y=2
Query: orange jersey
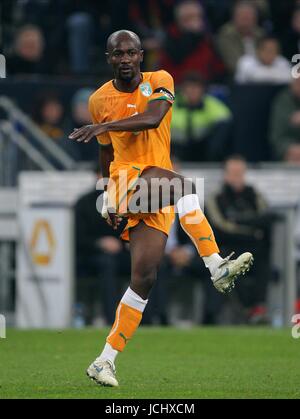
x=149, y=147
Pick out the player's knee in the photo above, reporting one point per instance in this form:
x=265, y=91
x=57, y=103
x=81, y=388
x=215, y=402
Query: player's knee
x=145, y=278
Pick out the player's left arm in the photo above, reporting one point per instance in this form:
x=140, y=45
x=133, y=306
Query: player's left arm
x=151, y=118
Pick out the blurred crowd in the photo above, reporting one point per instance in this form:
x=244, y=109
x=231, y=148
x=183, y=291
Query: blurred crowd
x=210, y=36
x=208, y=46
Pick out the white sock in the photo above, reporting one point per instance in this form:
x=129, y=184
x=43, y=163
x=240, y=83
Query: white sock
x=212, y=262
x=108, y=353
x=187, y=204
x=132, y=299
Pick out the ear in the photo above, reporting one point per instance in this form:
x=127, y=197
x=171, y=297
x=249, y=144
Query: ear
x=107, y=57
x=141, y=55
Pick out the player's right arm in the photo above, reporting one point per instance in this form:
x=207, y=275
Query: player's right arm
x=158, y=105
x=149, y=119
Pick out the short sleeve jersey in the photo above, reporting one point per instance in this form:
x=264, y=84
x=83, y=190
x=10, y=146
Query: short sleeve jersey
x=145, y=147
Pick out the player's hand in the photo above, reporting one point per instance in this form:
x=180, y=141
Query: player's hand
x=109, y=215
x=113, y=219
x=87, y=132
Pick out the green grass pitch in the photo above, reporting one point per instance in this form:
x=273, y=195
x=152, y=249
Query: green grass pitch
x=157, y=363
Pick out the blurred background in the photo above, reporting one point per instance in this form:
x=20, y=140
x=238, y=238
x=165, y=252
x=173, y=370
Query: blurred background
x=236, y=123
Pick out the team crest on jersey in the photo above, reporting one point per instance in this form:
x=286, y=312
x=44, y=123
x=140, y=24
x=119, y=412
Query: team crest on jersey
x=146, y=89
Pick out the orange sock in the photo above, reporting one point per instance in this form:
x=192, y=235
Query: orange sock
x=196, y=226
x=128, y=318
x=201, y=234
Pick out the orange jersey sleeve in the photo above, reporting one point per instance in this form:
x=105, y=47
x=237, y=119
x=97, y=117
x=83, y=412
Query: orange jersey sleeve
x=97, y=118
x=163, y=87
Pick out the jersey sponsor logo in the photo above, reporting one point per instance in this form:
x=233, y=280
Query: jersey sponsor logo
x=146, y=89
x=165, y=92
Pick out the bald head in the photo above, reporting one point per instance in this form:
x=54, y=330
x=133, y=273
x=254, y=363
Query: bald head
x=120, y=36
x=125, y=55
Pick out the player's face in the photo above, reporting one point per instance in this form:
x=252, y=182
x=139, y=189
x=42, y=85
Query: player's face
x=125, y=58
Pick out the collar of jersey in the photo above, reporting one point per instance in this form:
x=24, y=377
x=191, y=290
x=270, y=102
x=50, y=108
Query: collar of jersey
x=113, y=83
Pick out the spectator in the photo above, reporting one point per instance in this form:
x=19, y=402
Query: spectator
x=79, y=30
x=80, y=116
x=240, y=36
x=189, y=47
x=267, y=66
x=29, y=53
x=101, y=259
x=49, y=115
x=240, y=220
x=49, y=16
x=200, y=122
x=79, y=106
x=219, y=11
x=285, y=124
x=88, y=25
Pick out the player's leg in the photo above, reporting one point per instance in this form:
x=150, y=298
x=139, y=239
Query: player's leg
x=182, y=193
x=147, y=248
x=195, y=224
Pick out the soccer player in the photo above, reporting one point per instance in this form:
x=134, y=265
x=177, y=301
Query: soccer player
x=131, y=120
